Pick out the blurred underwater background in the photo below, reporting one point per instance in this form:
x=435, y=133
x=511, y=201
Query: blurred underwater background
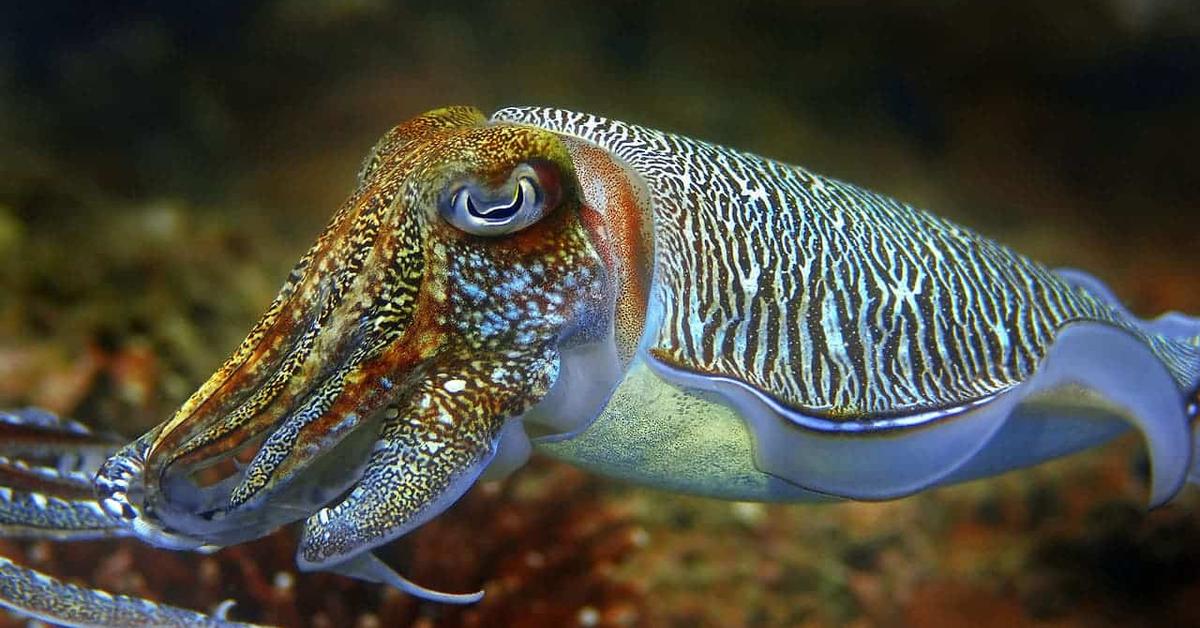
x=162, y=166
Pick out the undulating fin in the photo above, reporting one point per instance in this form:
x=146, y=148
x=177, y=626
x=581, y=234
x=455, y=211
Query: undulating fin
x=1170, y=326
x=1193, y=412
x=1173, y=334
x=51, y=600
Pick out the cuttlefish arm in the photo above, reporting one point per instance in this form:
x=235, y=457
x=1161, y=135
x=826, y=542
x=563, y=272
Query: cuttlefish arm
x=46, y=469
x=432, y=448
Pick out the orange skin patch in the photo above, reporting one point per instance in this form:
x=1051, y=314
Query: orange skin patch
x=617, y=215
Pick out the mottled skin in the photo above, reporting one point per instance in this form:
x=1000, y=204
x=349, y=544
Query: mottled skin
x=396, y=327
x=439, y=433
x=399, y=318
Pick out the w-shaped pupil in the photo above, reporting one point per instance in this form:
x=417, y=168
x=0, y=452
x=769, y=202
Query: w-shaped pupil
x=500, y=212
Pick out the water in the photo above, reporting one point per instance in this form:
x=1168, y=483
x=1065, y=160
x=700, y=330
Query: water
x=163, y=167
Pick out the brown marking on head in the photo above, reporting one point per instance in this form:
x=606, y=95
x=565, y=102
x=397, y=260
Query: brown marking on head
x=396, y=277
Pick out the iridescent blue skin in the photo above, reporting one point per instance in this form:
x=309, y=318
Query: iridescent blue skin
x=643, y=305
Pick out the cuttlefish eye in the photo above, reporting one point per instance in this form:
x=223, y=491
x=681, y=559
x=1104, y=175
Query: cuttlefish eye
x=516, y=205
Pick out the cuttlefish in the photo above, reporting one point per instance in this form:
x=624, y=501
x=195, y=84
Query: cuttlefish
x=649, y=307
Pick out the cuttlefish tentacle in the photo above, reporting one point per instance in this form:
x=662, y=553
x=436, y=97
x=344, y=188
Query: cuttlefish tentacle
x=46, y=469
x=52, y=600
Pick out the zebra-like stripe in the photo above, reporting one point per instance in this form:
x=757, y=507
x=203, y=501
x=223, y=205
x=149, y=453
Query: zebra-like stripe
x=839, y=302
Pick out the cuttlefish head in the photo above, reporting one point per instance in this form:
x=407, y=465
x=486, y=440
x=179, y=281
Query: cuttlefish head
x=484, y=279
